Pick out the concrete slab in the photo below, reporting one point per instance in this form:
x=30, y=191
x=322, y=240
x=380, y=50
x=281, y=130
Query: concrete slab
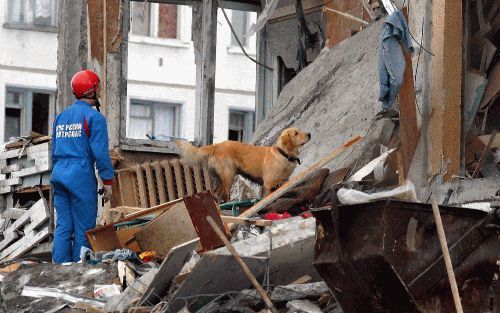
x=292, y=253
x=335, y=98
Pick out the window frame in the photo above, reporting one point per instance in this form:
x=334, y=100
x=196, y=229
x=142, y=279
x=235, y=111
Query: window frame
x=152, y=102
x=9, y=24
x=183, y=37
x=247, y=27
x=248, y=122
x=27, y=106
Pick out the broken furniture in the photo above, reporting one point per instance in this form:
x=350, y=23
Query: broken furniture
x=169, y=225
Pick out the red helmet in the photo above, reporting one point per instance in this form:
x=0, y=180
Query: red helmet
x=84, y=84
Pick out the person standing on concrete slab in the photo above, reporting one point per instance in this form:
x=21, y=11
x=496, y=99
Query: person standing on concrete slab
x=79, y=142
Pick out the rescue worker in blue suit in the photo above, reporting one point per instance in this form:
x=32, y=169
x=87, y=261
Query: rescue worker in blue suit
x=79, y=141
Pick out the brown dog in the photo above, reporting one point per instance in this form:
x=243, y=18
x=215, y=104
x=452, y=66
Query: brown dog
x=267, y=166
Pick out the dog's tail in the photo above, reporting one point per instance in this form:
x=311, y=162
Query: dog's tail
x=191, y=154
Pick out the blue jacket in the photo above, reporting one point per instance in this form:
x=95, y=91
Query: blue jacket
x=391, y=62
x=80, y=132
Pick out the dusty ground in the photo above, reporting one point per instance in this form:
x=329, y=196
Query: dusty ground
x=77, y=279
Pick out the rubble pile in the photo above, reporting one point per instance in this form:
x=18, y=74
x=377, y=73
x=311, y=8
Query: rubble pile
x=26, y=219
x=348, y=232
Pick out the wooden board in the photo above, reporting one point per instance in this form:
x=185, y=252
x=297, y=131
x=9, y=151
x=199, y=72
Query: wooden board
x=169, y=176
x=444, y=133
x=168, y=230
x=199, y=207
x=190, y=188
x=409, y=132
x=142, y=186
x=151, y=184
x=11, y=182
x=178, y=177
x=169, y=268
x=33, y=217
x=162, y=192
x=28, y=150
x=10, y=168
x=37, y=169
x=25, y=244
x=104, y=238
x=229, y=277
x=13, y=213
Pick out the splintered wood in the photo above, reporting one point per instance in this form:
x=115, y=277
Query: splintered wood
x=150, y=184
x=32, y=223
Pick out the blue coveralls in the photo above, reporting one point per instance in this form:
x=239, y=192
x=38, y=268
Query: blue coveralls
x=391, y=62
x=79, y=140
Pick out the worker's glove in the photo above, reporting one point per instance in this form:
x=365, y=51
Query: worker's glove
x=108, y=191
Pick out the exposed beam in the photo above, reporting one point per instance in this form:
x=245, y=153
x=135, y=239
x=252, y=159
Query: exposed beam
x=409, y=132
x=446, y=118
x=205, y=58
x=253, y=6
x=113, y=57
x=72, y=48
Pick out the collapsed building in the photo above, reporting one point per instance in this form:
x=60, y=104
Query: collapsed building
x=372, y=245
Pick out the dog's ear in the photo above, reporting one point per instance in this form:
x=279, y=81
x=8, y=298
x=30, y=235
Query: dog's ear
x=286, y=141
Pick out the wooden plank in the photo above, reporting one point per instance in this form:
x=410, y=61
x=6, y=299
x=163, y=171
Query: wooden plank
x=199, y=207
x=11, y=182
x=121, y=187
x=151, y=184
x=104, y=238
x=13, y=213
x=169, y=268
x=206, y=176
x=205, y=78
x=28, y=150
x=127, y=188
x=142, y=186
x=198, y=179
x=190, y=188
x=6, y=189
x=34, y=141
x=445, y=129
x=297, y=179
x=169, y=176
x=10, y=168
x=125, y=235
x=409, y=132
x=37, y=169
x=32, y=214
x=245, y=221
x=162, y=193
x=179, y=179
x=168, y=230
x=25, y=244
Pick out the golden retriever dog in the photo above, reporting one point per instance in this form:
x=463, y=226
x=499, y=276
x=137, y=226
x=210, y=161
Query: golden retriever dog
x=267, y=166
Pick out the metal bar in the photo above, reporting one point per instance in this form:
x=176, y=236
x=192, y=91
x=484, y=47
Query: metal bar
x=242, y=264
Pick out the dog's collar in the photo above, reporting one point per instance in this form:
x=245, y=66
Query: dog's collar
x=288, y=157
